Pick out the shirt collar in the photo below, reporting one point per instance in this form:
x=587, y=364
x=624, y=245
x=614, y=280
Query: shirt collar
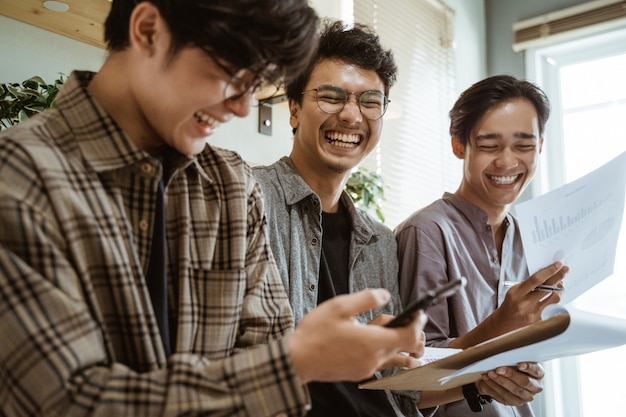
x=103, y=144
x=295, y=189
x=472, y=212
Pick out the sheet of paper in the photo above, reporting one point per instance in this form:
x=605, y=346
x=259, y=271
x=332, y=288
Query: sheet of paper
x=432, y=354
x=586, y=332
x=577, y=224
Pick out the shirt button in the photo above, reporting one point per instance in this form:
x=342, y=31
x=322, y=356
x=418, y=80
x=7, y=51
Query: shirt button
x=143, y=225
x=312, y=287
x=494, y=259
x=146, y=168
x=488, y=228
x=314, y=241
x=314, y=202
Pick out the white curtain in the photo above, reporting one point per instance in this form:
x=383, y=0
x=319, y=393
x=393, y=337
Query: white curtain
x=414, y=156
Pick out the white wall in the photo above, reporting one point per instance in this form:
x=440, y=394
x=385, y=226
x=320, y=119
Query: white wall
x=28, y=51
x=470, y=41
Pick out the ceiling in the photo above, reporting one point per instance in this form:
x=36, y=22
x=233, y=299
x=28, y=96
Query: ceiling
x=84, y=21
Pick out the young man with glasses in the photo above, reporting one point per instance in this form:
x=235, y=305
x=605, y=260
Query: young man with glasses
x=136, y=277
x=324, y=246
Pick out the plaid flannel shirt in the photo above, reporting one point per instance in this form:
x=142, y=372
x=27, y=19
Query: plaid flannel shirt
x=78, y=334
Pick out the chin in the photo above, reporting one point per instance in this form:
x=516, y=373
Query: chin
x=194, y=149
x=342, y=166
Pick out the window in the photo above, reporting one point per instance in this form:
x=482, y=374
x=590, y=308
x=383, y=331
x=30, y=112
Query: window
x=585, y=81
x=414, y=156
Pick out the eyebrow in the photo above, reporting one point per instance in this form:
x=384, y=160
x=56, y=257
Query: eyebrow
x=337, y=87
x=517, y=135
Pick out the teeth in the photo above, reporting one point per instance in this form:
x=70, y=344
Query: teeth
x=206, y=119
x=503, y=180
x=343, y=140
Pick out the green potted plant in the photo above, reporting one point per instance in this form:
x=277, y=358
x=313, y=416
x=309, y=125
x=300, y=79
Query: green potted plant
x=367, y=190
x=19, y=101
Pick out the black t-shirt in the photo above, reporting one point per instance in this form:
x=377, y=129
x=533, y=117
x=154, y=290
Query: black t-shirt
x=341, y=399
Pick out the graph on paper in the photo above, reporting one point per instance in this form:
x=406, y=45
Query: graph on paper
x=547, y=228
x=577, y=224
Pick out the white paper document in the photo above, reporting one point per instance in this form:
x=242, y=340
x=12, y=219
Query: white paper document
x=577, y=224
x=586, y=332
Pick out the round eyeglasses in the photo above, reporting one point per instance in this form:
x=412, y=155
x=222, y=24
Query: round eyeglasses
x=332, y=99
x=240, y=85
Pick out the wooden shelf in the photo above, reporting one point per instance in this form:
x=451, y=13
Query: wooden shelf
x=84, y=21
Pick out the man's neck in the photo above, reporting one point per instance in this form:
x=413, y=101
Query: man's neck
x=326, y=184
x=106, y=88
x=495, y=213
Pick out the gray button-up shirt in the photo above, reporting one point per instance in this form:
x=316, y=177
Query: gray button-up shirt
x=447, y=240
x=294, y=214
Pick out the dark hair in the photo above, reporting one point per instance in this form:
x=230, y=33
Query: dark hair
x=474, y=102
x=244, y=34
x=358, y=45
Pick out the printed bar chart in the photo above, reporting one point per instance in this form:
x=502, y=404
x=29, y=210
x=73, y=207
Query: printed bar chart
x=577, y=224
x=550, y=227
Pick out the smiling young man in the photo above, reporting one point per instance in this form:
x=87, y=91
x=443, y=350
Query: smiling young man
x=324, y=246
x=497, y=130
x=136, y=277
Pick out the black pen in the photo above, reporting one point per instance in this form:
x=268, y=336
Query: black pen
x=540, y=287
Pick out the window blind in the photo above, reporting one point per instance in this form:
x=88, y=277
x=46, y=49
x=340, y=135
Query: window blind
x=414, y=156
x=585, y=18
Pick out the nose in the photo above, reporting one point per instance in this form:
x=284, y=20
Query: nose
x=351, y=111
x=507, y=158
x=240, y=106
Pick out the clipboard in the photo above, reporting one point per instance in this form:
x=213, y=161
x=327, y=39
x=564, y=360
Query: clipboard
x=561, y=332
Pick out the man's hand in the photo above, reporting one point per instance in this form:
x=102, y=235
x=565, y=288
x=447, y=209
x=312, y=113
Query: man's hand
x=513, y=386
x=329, y=344
x=522, y=306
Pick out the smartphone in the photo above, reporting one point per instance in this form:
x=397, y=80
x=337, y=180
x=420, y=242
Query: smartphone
x=429, y=299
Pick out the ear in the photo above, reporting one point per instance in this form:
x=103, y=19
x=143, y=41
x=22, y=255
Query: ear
x=540, y=144
x=458, y=148
x=294, y=111
x=145, y=27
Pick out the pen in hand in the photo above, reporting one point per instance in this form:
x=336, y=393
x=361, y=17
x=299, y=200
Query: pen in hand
x=540, y=287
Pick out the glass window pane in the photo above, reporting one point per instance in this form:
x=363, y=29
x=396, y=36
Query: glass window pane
x=594, y=131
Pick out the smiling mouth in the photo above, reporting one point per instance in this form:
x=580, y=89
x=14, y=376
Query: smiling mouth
x=343, y=140
x=206, y=120
x=504, y=180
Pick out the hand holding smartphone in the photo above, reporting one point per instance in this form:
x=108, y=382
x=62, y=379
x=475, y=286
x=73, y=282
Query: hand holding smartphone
x=423, y=303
